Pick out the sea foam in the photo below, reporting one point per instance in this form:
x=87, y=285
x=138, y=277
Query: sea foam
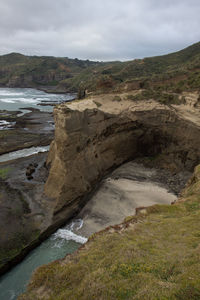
x=68, y=235
x=23, y=153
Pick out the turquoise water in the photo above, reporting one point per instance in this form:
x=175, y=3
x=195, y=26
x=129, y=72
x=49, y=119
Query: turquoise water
x=18, y=98
x=63, y=242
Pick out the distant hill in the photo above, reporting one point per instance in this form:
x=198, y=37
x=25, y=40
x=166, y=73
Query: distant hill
x=176, y=71
x=17, y=70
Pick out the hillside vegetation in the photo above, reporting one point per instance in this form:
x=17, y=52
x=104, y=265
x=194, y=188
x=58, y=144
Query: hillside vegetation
x=174, y=72
x=154, y=255
x=17, y=70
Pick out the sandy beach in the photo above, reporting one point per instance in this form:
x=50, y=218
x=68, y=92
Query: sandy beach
x=130, y=186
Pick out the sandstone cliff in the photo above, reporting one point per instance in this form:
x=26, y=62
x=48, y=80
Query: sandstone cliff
x=99, y=133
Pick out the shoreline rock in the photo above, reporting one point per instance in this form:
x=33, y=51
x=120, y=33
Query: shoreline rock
x=30, y=130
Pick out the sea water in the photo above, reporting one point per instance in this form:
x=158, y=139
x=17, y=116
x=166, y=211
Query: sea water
x=18, y=98
x=58, y=245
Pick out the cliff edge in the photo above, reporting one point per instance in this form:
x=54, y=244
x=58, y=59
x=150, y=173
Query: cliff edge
x=99, y=133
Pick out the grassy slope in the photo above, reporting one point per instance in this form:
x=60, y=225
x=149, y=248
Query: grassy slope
x=71, y=74
x=152, y=256
x=183, y=65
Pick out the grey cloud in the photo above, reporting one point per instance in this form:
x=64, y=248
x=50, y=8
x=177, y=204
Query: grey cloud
x=103, y=30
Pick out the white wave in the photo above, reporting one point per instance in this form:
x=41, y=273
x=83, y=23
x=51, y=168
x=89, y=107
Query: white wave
x=76, y=224
x=44, y=98
x=21, y=99
x=27, y=100
x=3, y=122
x=6, y=125
x=22, y=153
x=6, y=93
x=68, y=235
x=23, y=112
x=8, y=100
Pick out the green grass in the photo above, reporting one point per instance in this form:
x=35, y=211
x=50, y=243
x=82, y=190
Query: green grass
x=160, y=96
x=174, y=72
x=4, y=172
x=156, y=256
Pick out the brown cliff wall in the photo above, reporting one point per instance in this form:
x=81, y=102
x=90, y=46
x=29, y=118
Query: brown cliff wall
x=90, y=139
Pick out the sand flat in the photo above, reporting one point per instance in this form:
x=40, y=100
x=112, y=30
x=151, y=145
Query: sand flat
x=119, y=196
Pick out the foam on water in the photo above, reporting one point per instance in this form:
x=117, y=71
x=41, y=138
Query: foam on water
x=8, y=100
x=70, y=236
x=76, y=224
x=67, y=234
x=9, y=93
x=3, y=122
x=21, y=99
x=4, y=125
x=28, y=100
x=23, y=153
x=14, y=98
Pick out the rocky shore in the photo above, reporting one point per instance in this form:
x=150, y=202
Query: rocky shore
x=35, y=128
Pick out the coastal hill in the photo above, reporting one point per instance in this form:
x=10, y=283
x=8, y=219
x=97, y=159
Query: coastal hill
x=176, y=71
x=17, y=70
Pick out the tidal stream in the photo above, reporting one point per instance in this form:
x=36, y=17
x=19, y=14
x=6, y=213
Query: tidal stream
x=58, y=245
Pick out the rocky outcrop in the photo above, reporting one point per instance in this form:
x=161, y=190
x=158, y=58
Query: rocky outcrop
x=94, y=135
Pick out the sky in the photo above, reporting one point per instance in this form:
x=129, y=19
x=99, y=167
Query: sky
x=98, y=29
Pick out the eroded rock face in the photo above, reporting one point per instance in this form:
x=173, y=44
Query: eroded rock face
x=93, y=137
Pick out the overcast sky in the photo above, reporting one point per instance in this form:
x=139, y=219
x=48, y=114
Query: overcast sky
x=98, y=29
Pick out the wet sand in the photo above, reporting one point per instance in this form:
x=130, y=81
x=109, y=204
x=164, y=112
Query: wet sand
x=128, y=187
